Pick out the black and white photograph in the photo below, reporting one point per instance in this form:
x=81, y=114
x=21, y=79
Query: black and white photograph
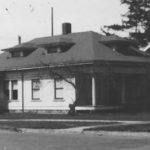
x=74, y=74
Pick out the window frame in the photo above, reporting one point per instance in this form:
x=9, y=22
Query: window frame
x=58, y=89
x=16, y=54
x=32, y=90
x=14, y=90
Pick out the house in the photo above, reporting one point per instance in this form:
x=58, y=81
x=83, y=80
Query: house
x=50, y=73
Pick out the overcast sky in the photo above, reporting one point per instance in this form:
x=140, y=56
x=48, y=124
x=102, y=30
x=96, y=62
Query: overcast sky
x=32, y=18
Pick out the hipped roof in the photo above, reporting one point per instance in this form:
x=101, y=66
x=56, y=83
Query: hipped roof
x=88, y=47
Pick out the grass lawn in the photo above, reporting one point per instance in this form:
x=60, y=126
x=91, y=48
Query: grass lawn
x=127, y=128
x=47, y=124
x=141, y=116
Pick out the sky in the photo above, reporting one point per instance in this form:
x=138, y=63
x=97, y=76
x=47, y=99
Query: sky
x=32, y=18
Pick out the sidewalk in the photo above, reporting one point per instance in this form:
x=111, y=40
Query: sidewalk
x=80, y=130
x=76, y=120
x=77, y=130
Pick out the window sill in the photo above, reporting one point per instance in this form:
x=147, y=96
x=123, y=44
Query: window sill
x=36, y=100
x=13, y=100
x=59, y=100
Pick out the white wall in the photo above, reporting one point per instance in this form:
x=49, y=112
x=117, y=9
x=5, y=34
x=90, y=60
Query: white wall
x=47, y=100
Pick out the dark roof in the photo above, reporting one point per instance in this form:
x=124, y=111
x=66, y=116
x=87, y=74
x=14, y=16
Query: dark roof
x=24, y=46
x=87, y=47
x=115, y=38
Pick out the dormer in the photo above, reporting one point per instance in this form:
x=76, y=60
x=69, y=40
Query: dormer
x=59, y=46
x=21, y=50
x=123, y=46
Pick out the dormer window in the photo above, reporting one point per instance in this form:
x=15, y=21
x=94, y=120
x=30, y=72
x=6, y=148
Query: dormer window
x=17, y=54
x=126, y=49
x=21, y=50
x=60, y=46
x=58, y=49
x=53, y=50
x=20, y=53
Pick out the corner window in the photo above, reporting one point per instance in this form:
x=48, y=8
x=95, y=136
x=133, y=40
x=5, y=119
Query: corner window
x=14, y=84
x=35, y=89
x=58, y=89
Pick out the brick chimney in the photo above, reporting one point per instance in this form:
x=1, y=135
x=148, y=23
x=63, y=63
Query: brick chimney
x=66, y=28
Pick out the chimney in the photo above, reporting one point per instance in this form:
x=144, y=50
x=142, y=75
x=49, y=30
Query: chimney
x=19, y=39
x=66, y=28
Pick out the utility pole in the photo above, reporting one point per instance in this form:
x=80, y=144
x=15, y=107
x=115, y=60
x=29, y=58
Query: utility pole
x=52, y=22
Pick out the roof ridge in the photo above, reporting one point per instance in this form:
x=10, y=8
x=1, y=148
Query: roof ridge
x=61, y=35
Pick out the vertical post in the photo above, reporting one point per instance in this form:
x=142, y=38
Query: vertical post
x=10, y=90
x=52, y=22
x=22, y=79
x=93, y=91
x=123, y=88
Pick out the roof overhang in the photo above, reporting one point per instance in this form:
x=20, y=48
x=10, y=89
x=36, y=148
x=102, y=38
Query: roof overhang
x=22, y=47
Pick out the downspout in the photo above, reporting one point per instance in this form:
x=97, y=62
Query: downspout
x=22, y=79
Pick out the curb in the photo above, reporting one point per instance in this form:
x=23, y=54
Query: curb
x=12, y=129
x=74, y=131
x=81, y=131
x=48, y=131
x=74, y=120
x=118, y=133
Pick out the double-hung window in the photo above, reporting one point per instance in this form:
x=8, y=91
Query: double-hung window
x=11, y=89
x=35, y=89
x=14, y=88
x=58, y=89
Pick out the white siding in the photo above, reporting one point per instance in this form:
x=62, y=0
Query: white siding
x=69, y=91
x=47, y=100
x=17, y=103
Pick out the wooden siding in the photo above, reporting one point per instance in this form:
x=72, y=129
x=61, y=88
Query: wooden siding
x=47, y=100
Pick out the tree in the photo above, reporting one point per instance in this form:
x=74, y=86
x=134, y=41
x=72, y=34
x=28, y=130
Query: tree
x=136, y=21
x=66, y=73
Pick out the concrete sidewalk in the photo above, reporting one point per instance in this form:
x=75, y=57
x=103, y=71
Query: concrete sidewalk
x=76, y=120
x=77, y=130
x=81, y=130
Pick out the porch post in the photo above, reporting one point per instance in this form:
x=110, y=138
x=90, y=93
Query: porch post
x=93, y=91
x=10, y=90
x=22, y=80
x=123, y=91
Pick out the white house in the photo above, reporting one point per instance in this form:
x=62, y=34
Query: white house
x=96, y=71
x=28, y=91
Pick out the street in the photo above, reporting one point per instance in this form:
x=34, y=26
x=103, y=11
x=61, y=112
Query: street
x=55, y=141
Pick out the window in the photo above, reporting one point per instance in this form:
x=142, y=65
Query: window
x=58, y=89
x=17, y=54
x=35, y=89
x=14, y=88
x=58, y=48
x=126, y=49
x=6, y=89
x=53, y=50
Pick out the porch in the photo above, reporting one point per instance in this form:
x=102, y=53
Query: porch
x=113, y=92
